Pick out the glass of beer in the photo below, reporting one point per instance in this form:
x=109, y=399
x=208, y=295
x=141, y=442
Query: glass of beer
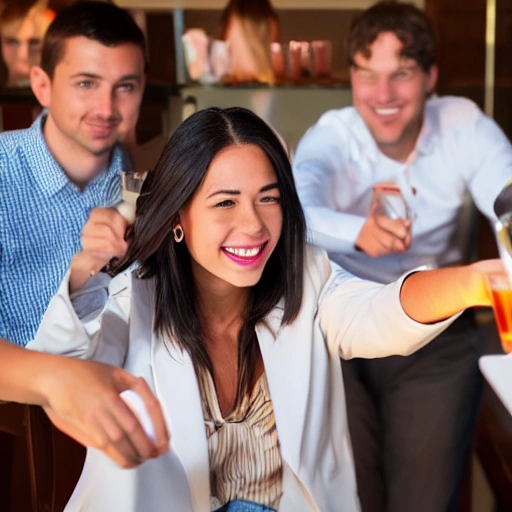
x=501, y=293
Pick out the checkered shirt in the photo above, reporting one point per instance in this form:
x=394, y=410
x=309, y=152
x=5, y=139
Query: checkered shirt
x=41, y=218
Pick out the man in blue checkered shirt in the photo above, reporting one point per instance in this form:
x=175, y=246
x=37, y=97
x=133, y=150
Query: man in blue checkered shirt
x=54, y=173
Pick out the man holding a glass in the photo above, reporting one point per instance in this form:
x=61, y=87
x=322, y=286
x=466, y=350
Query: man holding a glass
x=90, y=81
x=386, y=186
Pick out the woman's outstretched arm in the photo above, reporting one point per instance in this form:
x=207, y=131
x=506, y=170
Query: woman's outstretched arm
x=434, y=295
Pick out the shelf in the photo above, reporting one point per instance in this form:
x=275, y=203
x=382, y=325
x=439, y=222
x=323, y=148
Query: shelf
x=278, y=4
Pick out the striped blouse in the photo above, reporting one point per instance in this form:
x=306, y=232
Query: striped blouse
x=243, y=448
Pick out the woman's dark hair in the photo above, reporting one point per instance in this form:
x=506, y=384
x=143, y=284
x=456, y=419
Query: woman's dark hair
x=168, y=189
x=102, y=22
x=409, y=24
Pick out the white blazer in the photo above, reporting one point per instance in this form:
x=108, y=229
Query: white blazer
x=340, y=315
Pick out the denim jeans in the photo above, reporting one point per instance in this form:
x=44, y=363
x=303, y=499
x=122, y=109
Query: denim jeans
x=244, y=506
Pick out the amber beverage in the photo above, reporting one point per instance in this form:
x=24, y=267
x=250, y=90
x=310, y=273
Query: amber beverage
x=501, y=293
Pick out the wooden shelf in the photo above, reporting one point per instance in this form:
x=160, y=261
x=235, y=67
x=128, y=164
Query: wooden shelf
x=278, y=4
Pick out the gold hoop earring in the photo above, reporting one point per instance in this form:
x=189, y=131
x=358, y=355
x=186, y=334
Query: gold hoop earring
x=178, y=233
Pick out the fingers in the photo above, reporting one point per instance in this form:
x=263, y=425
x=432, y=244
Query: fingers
x=103, y=238
x=103, y=234
x=126, y=439
x=399, y=228
x=97, y=436
x=113, y=429
x=82, y=398
x=490, y=266
x=381, y=236
x=154, y=409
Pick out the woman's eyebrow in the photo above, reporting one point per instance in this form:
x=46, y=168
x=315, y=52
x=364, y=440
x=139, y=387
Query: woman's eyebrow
x=269, y=187
x=228, y=192
x=237, y=192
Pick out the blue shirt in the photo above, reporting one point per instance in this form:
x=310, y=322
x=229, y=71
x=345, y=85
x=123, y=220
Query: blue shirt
x=41, y=218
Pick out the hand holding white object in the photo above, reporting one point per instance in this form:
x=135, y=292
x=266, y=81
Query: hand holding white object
x=136, y=404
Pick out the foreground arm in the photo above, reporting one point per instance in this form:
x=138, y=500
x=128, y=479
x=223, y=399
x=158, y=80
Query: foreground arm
x=82, y=399
x=361, y=318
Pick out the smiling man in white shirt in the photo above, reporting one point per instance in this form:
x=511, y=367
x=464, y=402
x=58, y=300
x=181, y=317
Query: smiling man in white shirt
x=410, y=418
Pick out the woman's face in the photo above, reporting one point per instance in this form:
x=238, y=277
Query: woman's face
x=234, y=220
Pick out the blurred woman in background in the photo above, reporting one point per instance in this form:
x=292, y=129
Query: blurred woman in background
x=249, y=27
x=22, y=28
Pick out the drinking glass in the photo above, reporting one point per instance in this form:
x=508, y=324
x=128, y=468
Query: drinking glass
x=132, y=184
x=277, y=57
x=294, y=60
x=503, y=230
x=321, y=58
x=389, y=201
x=501, y=295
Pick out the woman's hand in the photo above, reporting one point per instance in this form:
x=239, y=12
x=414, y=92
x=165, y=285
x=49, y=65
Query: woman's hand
x=433, y=295
x=102, y=240
x=82, y=399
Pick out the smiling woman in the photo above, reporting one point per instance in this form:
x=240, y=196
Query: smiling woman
x=240, y=189
x=237, y=325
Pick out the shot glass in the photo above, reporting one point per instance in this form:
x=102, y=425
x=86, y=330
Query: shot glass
x=132, y=184
x=389, y=201
x=501, y=294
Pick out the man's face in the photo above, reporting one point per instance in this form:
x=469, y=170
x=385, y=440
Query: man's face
x=21, y=44
x=389, y=92
x=93, y=98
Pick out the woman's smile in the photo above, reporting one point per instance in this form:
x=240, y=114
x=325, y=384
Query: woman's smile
x=245, y=255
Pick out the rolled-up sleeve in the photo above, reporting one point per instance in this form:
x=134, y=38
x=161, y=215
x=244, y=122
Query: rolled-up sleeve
x=91, y=324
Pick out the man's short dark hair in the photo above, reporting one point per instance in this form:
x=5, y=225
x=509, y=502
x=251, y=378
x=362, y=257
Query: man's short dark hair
x=102, y=22
x=408, y=23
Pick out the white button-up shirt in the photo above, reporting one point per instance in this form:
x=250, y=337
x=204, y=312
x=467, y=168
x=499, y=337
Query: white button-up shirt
x=460, y=154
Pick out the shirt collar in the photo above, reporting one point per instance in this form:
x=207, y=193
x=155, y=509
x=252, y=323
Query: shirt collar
x=49, y=175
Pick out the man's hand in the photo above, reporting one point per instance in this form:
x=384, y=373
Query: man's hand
x=102, y=240
x=82, y=400
x=381, y=235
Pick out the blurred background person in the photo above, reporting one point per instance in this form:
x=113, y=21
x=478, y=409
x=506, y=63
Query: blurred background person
x=249, y=27
x=411, y=441
x=23, y=24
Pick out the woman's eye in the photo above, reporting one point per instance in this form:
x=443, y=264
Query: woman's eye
x=225, y=203
x=270, y=199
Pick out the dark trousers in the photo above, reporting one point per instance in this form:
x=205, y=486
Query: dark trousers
x=411, y=421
